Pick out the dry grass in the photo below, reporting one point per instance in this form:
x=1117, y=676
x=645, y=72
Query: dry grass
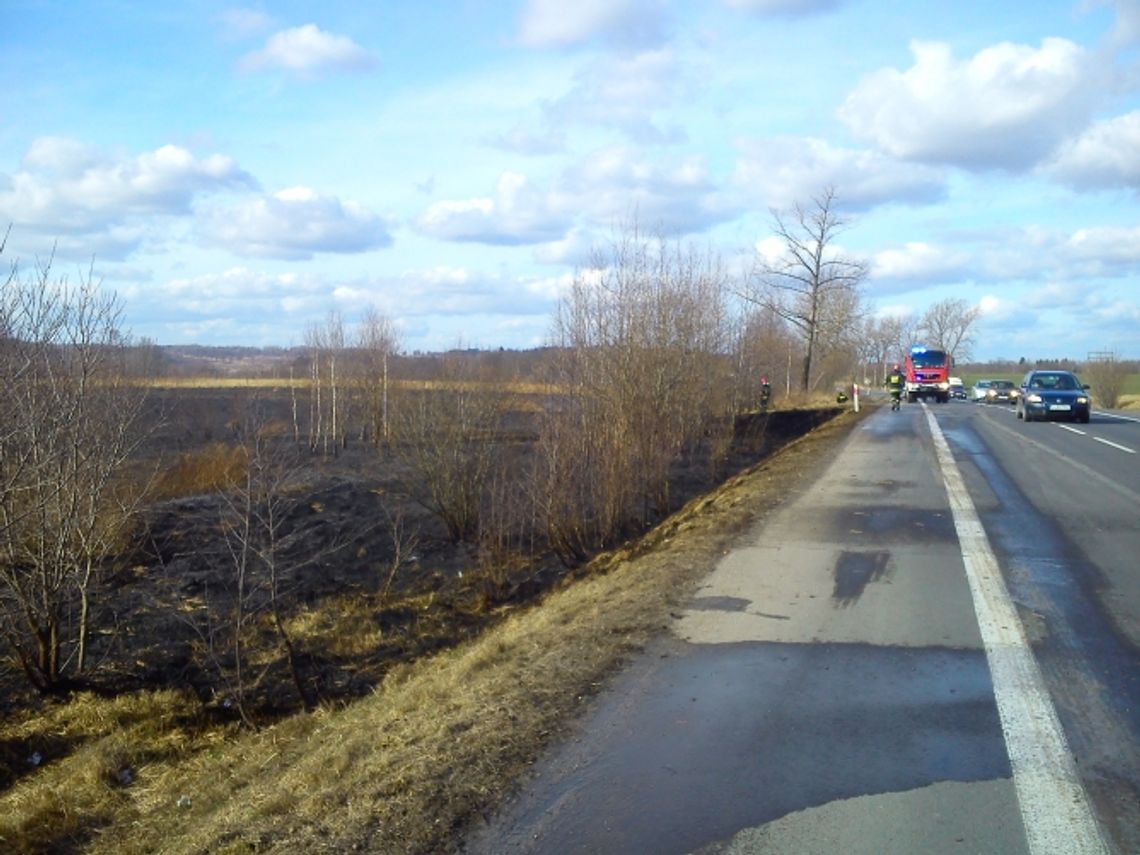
x=227, y=383
x=343, y=627
x=93, y=750
x=214, y=468
x=522, y=387
x=440, y=743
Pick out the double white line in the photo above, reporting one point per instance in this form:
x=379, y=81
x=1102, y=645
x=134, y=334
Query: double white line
x=1054, y=806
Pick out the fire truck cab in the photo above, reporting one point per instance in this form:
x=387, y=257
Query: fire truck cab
x=927, y=374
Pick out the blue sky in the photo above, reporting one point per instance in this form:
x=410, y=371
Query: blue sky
x=236, y=172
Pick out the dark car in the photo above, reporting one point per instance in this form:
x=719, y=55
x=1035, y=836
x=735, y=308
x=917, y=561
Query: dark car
x=1051, y=393
x=1000, y=392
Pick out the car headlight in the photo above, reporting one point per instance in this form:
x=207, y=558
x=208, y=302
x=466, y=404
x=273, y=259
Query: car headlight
x=1033, y=398
x=1082, y=400
x=943, y=386
x=990, y=393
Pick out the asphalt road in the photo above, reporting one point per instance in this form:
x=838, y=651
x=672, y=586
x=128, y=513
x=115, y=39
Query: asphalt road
x=933, y=649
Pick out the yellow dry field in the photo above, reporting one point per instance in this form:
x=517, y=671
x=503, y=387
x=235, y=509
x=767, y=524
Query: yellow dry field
x=518, y=387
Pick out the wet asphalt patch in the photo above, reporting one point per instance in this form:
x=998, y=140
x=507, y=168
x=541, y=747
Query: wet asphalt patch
x=701, y=741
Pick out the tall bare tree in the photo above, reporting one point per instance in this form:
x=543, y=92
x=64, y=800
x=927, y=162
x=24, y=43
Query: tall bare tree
x=378, y=341
x=326, y=346
x=949, y=325
x=811, y=286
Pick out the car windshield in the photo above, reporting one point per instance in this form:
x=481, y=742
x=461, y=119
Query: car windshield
x=981, y=384
x=1003, y=384
x=1062, y=382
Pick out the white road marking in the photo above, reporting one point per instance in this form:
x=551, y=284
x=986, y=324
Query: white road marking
x=1115, y=445
x=1071, y=429
x=1054, y=806
x=1116, y=416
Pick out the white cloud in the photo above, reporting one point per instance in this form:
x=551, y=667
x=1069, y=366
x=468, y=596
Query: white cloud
x=573, y=250
x=556, y=23
x=518, y=213
x=781, y=171
x=623, y=92
x=296, y=223
x=1107, y=155
x=63, y=180
x=94, y=202
x=236, y=283
x=996, y=308
x=785, y=7
x=919, y=262
x=606, y=190
x=1007, y=106
x=1102, y=251
x=614, y=185
x=307, y=50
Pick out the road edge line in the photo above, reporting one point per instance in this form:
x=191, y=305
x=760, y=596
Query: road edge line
x=1055, y=809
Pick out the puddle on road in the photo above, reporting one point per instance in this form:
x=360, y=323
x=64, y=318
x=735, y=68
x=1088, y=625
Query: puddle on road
x=854, y=571
x=720, y=604
x=696, y=742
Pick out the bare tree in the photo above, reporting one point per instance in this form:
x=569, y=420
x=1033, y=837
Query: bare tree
x=326, y=345
x=70, y=424
x=949, y=326
x=811, y=286
x=886, y=339
x=377, y=341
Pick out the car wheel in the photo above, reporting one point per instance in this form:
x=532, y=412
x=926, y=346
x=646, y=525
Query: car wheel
x=1028, y=416
x=1085, y=418
x=1018, y=413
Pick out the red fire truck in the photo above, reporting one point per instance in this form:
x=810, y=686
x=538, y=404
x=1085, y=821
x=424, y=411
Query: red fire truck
x=927, y=374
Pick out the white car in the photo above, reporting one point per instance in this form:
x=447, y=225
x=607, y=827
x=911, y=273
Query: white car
x=980, y=389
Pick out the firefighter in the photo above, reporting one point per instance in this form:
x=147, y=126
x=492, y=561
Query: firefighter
x=896, y=382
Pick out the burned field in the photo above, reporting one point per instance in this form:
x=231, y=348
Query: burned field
x=306, y=581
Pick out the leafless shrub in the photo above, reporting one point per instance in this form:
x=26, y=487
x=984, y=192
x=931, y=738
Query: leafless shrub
x=447, y=434
x=245, y=627
x=1107, y=374
x=405, y=541
x=642, y=342
x=67, y=432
